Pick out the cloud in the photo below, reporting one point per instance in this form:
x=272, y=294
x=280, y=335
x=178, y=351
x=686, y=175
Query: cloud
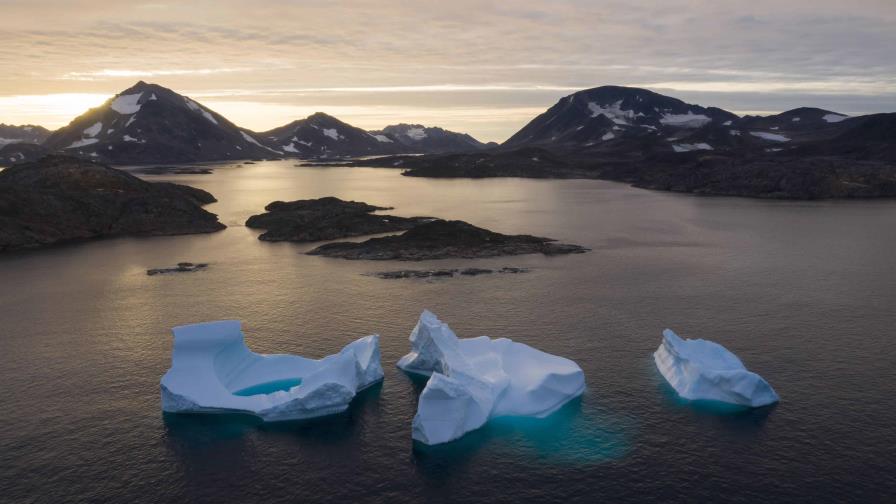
x=107, y=72
x=523, y=53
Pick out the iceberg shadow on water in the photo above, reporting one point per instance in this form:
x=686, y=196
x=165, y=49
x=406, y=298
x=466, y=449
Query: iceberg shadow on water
x=732, y=417
x=574, y=434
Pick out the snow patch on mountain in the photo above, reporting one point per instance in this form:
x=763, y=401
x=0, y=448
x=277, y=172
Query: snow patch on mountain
x=82, y=142
x=608, y=136
x=774, y=137
x=126, y=104
x=612, y=112
x=834, y=118
x=332, y=133
x=94, y=130
x=689, y=120
x=195, y=107
x=691, y=147
x=382, y=138
x=416, y=133
x=252, y=140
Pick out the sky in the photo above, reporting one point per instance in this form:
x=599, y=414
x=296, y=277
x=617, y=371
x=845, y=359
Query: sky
x=485, y=68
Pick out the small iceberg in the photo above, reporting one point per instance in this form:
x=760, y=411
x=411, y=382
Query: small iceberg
x=212, y=371
x=705, y=370
x=474, y=379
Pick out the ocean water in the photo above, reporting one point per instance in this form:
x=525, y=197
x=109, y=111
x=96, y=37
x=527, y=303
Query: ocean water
x=803, y=292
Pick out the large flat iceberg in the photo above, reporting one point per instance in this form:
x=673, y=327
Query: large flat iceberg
x=212, y=371
x=474, y=379
x=705, y=370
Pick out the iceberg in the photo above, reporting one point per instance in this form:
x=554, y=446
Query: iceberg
x=474, y=379
x=212, y=371
x=705, y=370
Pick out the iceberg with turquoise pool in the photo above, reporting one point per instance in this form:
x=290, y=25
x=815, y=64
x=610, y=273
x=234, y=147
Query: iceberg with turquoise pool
x=704, y=370
x=212, y=371
x=474, y=379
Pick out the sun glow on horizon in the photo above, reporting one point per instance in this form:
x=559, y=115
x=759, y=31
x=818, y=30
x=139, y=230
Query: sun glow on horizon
x=52, y=110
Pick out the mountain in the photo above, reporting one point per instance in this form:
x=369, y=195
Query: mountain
x=62, y=198
x=606, y=114
x=648, y=140
x=148, y=123
x=428, y=140
x=29, y=133
x=321, y=135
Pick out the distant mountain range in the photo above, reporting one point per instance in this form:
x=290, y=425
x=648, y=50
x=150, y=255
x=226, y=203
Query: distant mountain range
x=148, y=124
x=419, y=138
x=609, y=132
x=654, y=141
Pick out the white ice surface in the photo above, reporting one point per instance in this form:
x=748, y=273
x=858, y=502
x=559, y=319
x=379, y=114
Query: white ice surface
x=332, y=133
x=474, y=379
x=834, y=118
x=705, y=370
x=210, y=362
x=126, y=104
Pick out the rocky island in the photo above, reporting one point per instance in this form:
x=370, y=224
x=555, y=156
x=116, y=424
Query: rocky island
x=441, y=239
x=61, y=198
x=326, y=218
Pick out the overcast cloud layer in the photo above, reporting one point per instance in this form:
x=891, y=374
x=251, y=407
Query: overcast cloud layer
x=481, y=67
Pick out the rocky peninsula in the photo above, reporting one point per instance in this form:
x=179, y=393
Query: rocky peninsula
x=61, y=198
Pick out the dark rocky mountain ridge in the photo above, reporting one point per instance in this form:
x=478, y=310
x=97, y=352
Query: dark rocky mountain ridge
x=148, y=123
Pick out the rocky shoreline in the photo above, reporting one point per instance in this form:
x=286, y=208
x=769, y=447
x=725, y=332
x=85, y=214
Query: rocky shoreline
x=444, y=273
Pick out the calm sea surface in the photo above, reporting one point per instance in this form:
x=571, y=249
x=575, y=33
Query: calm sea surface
x=804, y=293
